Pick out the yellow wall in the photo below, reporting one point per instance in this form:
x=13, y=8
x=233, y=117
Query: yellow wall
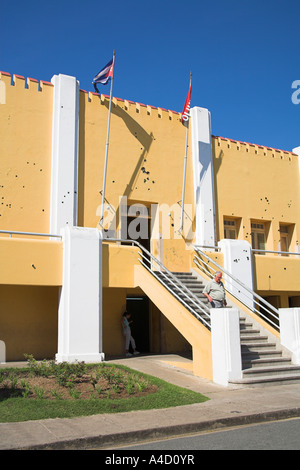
x=256, y=183
x=28, y=321
x=31, y=262
x=259, y=184
x=118, y=265
x=114, y=304
x=25, y=149
x=193, y=331
x=145, y=160
x=276, y=273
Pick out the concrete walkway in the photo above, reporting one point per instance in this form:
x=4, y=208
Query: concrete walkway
x=230, y=406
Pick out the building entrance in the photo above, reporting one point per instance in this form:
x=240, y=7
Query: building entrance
x=136, y=225
x=138, y=307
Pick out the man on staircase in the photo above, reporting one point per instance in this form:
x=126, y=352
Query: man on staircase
x=215, y=291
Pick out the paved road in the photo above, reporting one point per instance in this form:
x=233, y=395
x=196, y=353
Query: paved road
x=278, y=435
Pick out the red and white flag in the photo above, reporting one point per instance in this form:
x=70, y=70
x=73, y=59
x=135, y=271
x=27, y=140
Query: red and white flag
x=186, y=109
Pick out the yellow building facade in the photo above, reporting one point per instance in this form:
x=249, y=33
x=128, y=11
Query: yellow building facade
x=52, y=147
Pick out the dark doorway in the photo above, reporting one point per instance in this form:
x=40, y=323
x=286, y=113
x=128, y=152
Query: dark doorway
x=138, y=307
x=136, y=225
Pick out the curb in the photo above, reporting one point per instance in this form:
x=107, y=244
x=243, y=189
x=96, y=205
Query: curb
x=135, y=437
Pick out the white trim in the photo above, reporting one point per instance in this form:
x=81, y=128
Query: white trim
x=2, y=352
x=238, y=262
x=203, y=176
x=80, y=306
x=297, y=151
x=226, y=345
x=64, y=163
x=289, y=319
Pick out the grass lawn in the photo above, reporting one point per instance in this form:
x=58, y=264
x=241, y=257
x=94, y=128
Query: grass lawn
x=47, y=390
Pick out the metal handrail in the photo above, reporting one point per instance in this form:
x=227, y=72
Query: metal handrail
x=275, y=252
x=168, y=275
x=35, y=234
x=257, y=299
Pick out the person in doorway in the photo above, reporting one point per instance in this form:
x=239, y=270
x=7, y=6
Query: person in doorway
x=215, y=291
x=127, y=333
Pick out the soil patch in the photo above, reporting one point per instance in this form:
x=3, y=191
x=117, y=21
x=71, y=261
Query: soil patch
x=65, y=383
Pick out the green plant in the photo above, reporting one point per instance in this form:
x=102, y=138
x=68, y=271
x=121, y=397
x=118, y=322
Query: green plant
x=13, y=381
x=74, y=393
x=130, y=388
x=21, y=404
x=39, y=392
x=116, y=388
x=56, y=394
x=94, y=381
x=26, y=392
x=141, y=385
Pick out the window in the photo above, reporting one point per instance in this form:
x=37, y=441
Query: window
x=285, y=237
x=258, y=236
x=230, y=229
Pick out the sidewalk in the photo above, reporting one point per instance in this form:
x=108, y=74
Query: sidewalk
x=230, y=406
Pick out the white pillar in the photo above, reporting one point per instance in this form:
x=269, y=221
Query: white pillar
x=289, y=321
x=203, y=176
x=2, y=352
x=64, y=167
x=80, y=306
x=226, y=345
x=238, y=262
x=297, y=151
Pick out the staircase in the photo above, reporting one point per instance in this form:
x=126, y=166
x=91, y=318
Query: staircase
x=194, y=286
x=263, y=361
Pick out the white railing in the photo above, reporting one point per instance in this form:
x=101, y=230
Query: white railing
x=260, y=307
x=33, y=234
x=170, y=282
x=285, y=253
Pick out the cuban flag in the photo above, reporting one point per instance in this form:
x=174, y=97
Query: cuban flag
x=186, y=109
x=104, y=75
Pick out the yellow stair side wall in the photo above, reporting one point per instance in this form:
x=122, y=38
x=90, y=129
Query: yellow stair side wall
x=194, y=332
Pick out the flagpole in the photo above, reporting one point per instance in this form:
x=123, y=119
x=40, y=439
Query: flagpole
x=107, y=145
x=184, y=169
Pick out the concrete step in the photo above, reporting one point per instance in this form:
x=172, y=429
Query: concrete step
x=268, y=380
x=277, y=370
x=265, y=361
x=249, y=356
x=258, y=347
x=248, y=330
x=252, y=338
x=262, y=363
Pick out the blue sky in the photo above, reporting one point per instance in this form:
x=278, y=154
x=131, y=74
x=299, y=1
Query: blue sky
x=244, y=56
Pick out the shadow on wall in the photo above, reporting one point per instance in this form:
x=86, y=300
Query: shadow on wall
x=217, y=162
x=135, y=129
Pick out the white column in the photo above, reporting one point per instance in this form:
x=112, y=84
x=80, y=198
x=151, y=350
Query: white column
x=64, y=167
x=203, y=176
x=80, y=306
x=2, y=352
x=238, y=262
x=226, y=345
x=297, y=151
x=289, y=321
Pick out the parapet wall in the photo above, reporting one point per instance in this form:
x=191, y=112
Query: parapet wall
x=257, y=184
